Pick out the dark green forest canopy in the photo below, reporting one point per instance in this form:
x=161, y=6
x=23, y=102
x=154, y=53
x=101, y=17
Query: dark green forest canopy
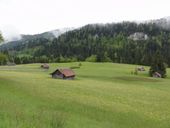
x=108, y=42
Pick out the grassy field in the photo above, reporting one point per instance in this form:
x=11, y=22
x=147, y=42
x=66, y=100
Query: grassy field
x=103, y=95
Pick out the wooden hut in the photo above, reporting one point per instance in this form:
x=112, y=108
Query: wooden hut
x=140, y=69
x=63, y=73
x=45, y=66
x=157, y=75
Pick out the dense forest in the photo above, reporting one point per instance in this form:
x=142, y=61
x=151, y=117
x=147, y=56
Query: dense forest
x=125, y=42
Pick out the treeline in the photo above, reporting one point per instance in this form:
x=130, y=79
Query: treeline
x=98, y=43
x=110, y=42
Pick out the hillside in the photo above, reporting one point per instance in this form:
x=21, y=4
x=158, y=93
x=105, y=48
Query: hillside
x=126, y=42
x=102, y=95
x=26, y=40
x=162, y=22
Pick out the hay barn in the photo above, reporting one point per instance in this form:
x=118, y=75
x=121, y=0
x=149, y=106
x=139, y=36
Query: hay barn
x=65, y=73
x=45, y=66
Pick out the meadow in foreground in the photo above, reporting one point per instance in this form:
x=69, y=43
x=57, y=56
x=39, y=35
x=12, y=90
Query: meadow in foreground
x=103, y=95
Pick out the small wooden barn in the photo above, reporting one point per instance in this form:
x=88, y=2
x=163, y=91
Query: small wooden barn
x=157, y=75
x=140, y=69
x=45, y=66
x=64, y=73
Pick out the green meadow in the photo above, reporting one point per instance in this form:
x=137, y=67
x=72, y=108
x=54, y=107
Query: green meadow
x=103, y=95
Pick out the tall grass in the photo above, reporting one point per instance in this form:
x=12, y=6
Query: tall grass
x=103, y=95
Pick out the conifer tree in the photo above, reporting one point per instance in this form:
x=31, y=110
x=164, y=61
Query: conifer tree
x=158, y=65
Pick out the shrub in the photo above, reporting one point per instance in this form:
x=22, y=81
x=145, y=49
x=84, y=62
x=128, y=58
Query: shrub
x=92, y=58
x=3, y=59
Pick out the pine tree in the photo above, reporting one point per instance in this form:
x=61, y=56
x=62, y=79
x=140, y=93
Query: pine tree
x=158, y=66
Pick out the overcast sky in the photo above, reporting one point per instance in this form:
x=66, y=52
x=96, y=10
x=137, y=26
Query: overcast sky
x=36, y=16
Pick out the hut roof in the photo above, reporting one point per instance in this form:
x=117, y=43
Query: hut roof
x=156, y=74
x=45, y=66
x=65, y=71
x=140, y=68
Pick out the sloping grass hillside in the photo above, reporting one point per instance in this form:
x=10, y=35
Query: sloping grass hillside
x=103, y=95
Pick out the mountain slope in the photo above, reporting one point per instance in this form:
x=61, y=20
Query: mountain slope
x=26, y=39
x=126, y=42
x=162, y=22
